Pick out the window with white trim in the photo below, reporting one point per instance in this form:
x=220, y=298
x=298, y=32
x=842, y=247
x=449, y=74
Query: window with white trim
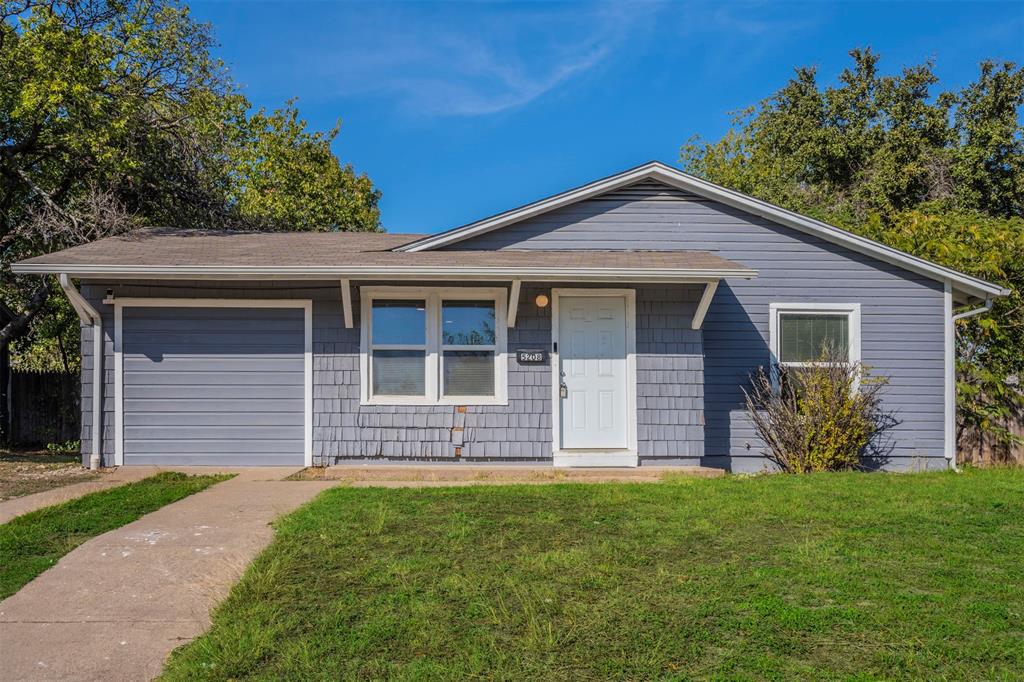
x=433, y=346
x=800, y=331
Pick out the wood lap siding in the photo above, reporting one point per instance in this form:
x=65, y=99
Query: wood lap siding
x=901, y=313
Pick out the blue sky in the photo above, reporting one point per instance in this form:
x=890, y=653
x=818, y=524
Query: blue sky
x=462, y=110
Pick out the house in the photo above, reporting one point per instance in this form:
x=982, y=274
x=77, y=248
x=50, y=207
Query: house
x=614, y=324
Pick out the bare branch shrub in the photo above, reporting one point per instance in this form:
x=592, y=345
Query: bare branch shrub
x=819, y=417
x=96, y=214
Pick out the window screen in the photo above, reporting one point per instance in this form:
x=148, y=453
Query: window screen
x=803, y=336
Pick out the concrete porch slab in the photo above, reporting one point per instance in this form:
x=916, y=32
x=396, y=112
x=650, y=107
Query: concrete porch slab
x=360, y=475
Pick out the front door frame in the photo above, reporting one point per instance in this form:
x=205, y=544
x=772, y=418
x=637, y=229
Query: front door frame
x=617, y=457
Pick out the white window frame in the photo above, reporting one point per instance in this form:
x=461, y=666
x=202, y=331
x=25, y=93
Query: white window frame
x=777, y=310
x=434, y=348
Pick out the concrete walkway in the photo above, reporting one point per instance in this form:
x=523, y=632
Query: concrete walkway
x=115, y=607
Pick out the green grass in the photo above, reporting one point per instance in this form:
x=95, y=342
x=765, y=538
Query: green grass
x=34, y=542
x=834, y=576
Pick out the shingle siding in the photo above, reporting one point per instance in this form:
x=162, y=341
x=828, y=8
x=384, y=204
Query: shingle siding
x=669, y=377
x=901, y=312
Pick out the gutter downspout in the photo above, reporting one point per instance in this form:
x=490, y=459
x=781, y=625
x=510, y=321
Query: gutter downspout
x=88, y=315
x=952, y=333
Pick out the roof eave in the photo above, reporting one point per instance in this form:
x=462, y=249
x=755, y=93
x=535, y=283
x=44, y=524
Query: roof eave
x=532, y=273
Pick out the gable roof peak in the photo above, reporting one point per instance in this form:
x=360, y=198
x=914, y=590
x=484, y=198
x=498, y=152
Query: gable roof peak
x=688, y=183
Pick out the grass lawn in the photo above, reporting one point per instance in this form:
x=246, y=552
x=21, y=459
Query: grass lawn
x=32, y=543
x=843, y=576
x=27, y=472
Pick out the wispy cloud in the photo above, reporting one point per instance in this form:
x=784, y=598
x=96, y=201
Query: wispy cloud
x=470, y=60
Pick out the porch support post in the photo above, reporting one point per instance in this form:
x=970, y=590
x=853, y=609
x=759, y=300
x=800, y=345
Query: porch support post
x=513, y=303
x=346, y=302
x=705, y=303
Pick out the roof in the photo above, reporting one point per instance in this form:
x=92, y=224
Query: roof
x=672, y=177
x=168, y=246
x=174, y=253
x=165, y=253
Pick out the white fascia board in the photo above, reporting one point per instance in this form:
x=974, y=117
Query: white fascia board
x=697, y=275
x=684, y=181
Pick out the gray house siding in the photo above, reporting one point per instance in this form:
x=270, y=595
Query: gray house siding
x=901, y=312
x=669, y=381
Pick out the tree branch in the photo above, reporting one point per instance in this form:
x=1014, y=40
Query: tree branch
x=19, y=324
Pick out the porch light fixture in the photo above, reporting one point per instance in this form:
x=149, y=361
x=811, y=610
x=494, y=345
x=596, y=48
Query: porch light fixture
x=541, y=300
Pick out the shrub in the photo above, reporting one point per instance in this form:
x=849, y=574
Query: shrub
x=68, y=447
x=819, y=417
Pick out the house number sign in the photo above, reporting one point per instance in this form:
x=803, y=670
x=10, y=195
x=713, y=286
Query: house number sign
x=532, y=357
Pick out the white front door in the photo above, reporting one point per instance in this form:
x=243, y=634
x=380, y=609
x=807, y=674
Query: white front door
x=593, y=371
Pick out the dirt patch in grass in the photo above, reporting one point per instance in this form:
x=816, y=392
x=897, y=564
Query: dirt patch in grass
x=31, y=471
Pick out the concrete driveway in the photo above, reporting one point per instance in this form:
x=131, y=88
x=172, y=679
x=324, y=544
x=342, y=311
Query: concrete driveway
x=116, y=606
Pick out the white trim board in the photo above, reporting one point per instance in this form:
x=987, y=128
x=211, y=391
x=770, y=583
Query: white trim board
x=121, y=303
x=617, y=458
x=949, y=378
x=660, y=172
x=851, y=310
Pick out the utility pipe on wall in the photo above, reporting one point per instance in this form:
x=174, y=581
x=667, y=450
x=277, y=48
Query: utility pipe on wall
x=89, y=316
x=951, y=369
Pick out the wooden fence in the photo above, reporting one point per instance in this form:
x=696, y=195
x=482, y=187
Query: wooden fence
x=43, y=408
x=980, y=450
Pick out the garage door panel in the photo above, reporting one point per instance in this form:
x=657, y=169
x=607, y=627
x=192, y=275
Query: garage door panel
x=208, y=446
x=237, y=392
x=199, y=316
x=215, y=406
x=162, y=377
x=193, y=418
x=213, y=385
x=218, y=325
x=147, y=342
x=293, y=432
x=240, y=362
x=247, y=459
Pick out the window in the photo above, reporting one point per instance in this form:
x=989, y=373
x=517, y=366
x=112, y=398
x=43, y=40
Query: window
x=799, y=331
x=399, y=346
x=469, y=341
x=433, y=346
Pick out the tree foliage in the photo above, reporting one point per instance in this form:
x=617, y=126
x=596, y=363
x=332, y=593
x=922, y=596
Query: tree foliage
x=937, y=174
x=114, y=114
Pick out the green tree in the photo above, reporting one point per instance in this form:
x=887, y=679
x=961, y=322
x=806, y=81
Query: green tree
x=940, y=175
x=114, y=115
